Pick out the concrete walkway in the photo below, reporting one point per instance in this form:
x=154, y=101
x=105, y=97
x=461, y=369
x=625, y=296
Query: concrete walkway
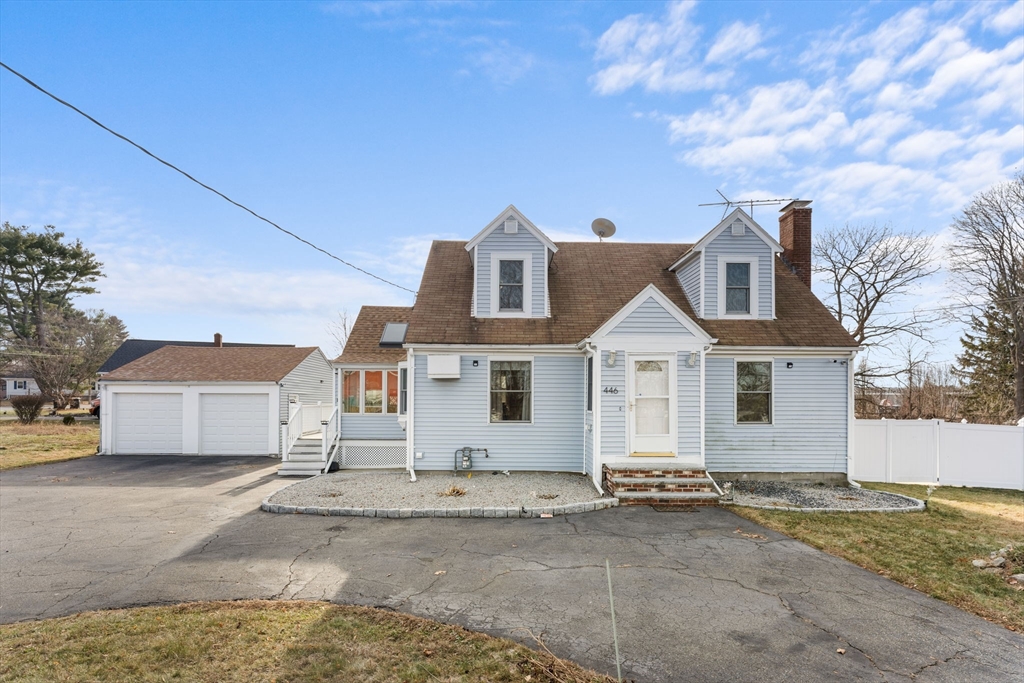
x=695, y=600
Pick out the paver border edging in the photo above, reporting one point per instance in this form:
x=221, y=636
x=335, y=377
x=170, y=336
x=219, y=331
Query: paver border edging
x=918, y=506
x=406, y=513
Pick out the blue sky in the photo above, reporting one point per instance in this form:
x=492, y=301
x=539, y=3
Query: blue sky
x=372, y=128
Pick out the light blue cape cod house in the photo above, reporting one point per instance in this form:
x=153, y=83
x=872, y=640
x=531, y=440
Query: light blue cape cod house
x=644, y=366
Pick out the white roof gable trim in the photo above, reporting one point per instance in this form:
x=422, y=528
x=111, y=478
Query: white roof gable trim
x=499, y=221
x=721, y=227
x=652, y=292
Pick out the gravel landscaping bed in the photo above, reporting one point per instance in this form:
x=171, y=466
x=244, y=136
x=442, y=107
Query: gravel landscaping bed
x=392, y=494
x=775, y=495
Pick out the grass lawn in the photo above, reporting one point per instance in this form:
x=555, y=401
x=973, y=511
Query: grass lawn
x=267, y=641
x=930, y=551
x=42, y=442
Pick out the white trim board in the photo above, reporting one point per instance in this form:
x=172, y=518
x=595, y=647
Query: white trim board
x=499, y=221
x=652, y=292
x=754, y=303
x=495, y=284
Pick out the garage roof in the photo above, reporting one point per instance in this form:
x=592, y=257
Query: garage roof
x=213, y=364
x=134, y=349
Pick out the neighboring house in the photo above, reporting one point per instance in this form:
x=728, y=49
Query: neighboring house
x=632, y=363
x=212, y=400
x=16, y=380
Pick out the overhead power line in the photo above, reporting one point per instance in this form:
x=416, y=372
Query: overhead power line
x=202, y=184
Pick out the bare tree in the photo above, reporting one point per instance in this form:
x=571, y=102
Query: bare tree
x=339, y=328
x=986, y=260
x=867, y=269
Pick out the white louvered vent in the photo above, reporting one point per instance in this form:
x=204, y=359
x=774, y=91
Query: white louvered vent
x=738, y=229
x=511, y=226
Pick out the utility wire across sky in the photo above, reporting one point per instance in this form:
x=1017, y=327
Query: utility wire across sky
x=202, y=184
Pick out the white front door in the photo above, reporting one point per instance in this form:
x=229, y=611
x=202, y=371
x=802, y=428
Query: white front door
x=652, y=405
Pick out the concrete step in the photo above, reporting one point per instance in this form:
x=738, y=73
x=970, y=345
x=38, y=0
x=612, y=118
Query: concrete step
x=299, y=469
x=668, y=495
x=304, y=457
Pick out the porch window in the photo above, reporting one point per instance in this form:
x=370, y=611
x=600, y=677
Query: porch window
x=511, y=390
x=590, y=383
x=510, y=285
x=350, y=391
x=403, y=391
x=737, y=288
x=754, y=392
x=373, y=391
x=392, y=405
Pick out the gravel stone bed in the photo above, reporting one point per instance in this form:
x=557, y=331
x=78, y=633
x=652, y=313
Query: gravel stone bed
x=392, y=494
x=817, y=497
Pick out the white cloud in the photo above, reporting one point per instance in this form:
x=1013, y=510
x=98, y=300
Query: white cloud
x=736, y=41
x=501, y=62
x=1008, y=19
x=657, y=54
x=925, y=146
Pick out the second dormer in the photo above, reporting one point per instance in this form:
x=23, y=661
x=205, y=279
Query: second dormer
x=730, y=272
x=510, y=268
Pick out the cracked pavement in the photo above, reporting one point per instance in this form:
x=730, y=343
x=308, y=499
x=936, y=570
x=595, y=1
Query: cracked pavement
x=694, y=600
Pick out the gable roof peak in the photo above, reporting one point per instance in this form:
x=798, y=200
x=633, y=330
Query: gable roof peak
x=736, y=214
x=511, y=211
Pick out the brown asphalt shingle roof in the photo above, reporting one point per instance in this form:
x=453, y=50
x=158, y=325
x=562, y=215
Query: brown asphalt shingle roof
x=363, y=345
x=214, y=364
x=589, y=282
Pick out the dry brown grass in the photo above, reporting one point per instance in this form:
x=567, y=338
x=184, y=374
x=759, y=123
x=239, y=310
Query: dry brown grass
x=930, y=551
x=268, y=641
x=22, y=445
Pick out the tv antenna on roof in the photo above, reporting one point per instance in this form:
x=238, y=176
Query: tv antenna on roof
x=602, y=227
x=751, y=203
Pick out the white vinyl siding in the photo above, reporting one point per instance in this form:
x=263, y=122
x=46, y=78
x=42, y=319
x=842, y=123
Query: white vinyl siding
x=613, y=405
x=688, y=406
x=234, y=424
x=147, y=423
x=453, y=413
x=588, y=442
x=649, y=318
x=809, y=413
x=747, y=246
x=499, y=243
x=365, y=427
x=689, y=280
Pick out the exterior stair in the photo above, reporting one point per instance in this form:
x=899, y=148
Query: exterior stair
x=305, y=459
x=661, y=486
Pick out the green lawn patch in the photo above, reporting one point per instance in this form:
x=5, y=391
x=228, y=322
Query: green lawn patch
x=930, y=551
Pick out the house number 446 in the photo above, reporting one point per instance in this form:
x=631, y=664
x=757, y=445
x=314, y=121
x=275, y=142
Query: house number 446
x=610, y=390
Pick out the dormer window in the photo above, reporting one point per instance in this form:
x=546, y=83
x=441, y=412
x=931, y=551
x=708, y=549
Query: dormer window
x=737, y=288
x=510, y=286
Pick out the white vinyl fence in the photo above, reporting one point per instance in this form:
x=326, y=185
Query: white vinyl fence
x=936, y=451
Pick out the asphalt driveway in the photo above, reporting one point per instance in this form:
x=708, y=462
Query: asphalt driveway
x=695, y=600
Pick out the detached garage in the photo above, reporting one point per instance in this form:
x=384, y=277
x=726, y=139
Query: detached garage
x=209, y=400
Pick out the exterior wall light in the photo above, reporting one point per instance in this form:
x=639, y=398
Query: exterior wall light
x=611, y=359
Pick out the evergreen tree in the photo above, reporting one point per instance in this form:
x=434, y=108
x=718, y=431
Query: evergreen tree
x=987, y=367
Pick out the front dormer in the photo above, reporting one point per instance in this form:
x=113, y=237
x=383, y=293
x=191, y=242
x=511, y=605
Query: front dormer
x=729, y=274
x=510, y=268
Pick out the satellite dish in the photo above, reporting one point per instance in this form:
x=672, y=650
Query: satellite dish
x=603, y=227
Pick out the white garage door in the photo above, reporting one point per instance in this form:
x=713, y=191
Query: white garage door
x=147, y=423
x=234, y=424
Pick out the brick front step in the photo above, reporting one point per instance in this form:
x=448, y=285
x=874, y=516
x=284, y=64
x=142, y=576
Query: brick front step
x=658, y=485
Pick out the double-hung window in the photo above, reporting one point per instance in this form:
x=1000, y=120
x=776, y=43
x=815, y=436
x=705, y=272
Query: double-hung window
x=510, y=285
x=737, y=288
x=370, y=392
x=754, y=392
x=511, y=391
x=590, y=383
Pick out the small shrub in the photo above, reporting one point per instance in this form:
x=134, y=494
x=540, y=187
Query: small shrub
x=69, y=419
x=27, y=408
x=453, y=490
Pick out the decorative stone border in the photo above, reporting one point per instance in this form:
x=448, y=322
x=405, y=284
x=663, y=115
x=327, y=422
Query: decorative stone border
x=918, y=506
x=404, y=513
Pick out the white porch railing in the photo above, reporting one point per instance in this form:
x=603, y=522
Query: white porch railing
x=292, y=429
x=313, y=416
x=331, y=433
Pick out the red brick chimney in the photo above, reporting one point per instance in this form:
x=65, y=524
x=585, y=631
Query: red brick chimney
x=795, y=237
x=218, y=340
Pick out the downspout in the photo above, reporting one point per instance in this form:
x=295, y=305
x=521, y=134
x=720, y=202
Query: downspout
x=851, y=420
x=410, y=422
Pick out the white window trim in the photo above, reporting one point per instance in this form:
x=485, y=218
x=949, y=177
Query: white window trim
x=533, y=392
x=527, y=259
x=735, y=391
x=362, y=390
x=755, y=303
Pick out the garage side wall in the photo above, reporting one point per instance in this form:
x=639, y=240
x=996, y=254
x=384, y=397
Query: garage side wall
x=311, y=380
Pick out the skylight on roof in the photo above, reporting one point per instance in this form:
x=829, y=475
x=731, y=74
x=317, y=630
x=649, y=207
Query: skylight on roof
x=394, y=334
